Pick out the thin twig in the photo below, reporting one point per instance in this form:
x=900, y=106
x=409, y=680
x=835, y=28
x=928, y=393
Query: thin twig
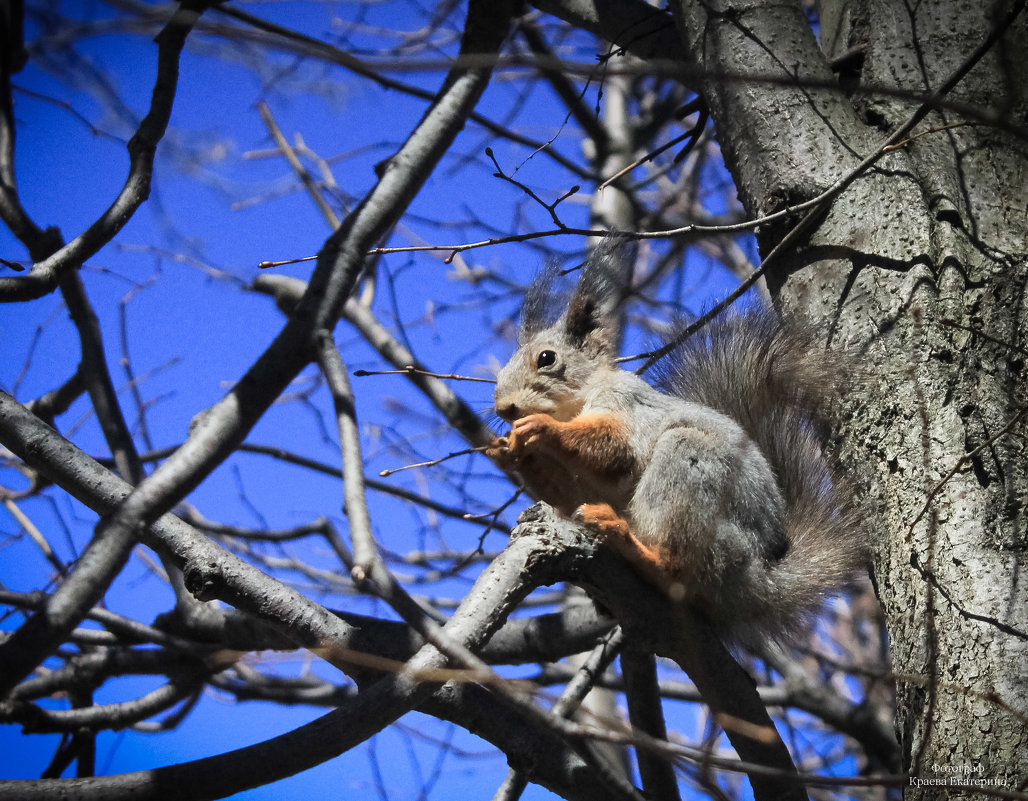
x=35, y=534
x=434, y=462
x=550, y=207
x=939, y=129
x=410, y=369
x=301, y=172
x=693, y=134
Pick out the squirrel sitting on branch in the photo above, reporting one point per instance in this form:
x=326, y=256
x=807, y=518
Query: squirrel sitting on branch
x=712, y=483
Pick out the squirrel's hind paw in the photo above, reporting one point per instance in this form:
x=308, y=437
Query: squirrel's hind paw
x=601, y=518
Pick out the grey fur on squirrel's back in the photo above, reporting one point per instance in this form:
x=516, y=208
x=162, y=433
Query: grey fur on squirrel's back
x=776, y=381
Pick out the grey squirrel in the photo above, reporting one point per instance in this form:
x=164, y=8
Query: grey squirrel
x=713, y=486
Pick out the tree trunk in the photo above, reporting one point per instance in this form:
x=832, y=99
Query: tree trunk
x=921, y=265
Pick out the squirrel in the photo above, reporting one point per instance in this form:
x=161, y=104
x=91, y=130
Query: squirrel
x=712, y=483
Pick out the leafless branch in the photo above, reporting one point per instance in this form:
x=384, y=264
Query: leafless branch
x=52, y=257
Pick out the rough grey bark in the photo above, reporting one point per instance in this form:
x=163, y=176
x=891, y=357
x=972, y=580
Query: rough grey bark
x=921, y=264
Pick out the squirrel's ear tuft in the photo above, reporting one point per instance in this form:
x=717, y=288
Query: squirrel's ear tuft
x=592, y=314
x=544, y=302
x=585, y=319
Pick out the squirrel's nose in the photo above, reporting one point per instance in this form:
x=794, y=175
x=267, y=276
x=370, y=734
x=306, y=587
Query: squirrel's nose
x=508, y=411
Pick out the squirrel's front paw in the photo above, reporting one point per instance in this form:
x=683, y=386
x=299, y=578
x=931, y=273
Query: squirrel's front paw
x=601, y=518
x=526, y=433
x=499, y=451
x=497, y=447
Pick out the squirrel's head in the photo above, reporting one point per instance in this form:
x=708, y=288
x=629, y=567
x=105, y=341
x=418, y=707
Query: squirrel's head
x=556, y=358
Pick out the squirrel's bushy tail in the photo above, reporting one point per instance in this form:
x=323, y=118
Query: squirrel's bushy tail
x=776, y=380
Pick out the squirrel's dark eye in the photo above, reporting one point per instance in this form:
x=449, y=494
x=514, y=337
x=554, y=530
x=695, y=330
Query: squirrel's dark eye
x=546, y=358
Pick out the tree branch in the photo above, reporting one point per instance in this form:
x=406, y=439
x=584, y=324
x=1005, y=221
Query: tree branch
x=641, y=29
x=219, y=430
x=45, y=274
x=499, y=589
x=208, y=567
x=369, y=571
x=603, y=654
x=645, y=713
x=287, y=291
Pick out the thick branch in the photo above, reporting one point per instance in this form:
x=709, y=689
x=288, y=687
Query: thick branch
x=816, y=133
x=646, y=714
x=570, y=701
x=536, y=751
x=523, y=640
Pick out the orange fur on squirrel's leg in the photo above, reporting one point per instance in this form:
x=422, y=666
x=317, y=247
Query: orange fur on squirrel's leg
x=595, y=442
x=601, y=518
